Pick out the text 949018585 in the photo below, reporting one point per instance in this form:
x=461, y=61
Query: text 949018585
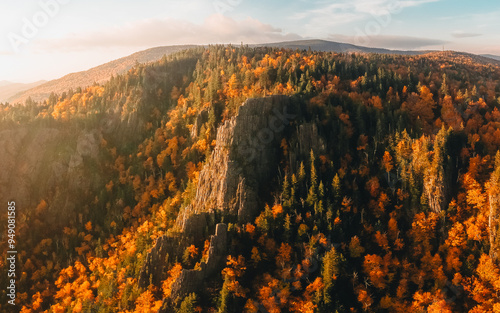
x=11, y=252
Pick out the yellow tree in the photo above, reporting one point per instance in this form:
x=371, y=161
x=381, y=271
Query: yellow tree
x=387, y=164
x=493, y=187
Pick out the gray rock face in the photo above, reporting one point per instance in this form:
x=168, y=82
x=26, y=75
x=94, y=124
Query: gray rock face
x=191, y=280
x=217, y=250
x=200, y=119
x=244, y=159
x=21, y=160
x=305, y=139
x=308, y=139
x=193, y=224
x=153, y=269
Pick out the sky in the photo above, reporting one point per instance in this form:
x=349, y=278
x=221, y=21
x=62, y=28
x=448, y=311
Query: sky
x=47, y=39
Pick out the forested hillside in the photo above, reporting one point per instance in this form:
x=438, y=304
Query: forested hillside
x=99, y=74
x=371, y=184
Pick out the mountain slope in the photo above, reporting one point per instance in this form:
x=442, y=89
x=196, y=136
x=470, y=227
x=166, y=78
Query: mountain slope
x=491, y=56
x=10, y=89
x=463, y=57
x=98, y=74
x=331, y=46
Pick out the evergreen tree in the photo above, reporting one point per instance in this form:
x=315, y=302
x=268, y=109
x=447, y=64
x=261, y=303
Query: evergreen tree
x=224, y=297
x=330, y=271
x=336, y=188
x=188, y=305
x=302, y=172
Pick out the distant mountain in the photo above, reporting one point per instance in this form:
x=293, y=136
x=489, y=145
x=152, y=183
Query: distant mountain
x=481, y=59
x=99, y=74
x=10, y=89
x=491, y=56
x=331, y=46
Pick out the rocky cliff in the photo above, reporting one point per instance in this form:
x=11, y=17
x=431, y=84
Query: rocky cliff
x=305, y=138
x=232, y=183
x=165, y=249
x=244, y=159
x=190, y=280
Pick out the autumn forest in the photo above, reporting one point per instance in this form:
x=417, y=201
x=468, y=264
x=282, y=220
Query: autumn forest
x=378, y=190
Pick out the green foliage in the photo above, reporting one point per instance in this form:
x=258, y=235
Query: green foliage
x=225, y=297
x=188, y=305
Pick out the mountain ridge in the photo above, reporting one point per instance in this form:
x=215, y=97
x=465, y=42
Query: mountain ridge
x=102, y=73
x=97, y=74
x=491, y=56
x=11, y=89
x=333, y=46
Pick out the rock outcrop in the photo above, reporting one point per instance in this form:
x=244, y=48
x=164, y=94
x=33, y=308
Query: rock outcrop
x=305, y=138
x=191, y=280
x=164, y=250
x=200, y=120
x=244, y=159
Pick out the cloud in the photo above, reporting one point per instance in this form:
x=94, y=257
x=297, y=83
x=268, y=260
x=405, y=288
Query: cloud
x=155, y=32
x=390, y=42
x=343, y=11
x=462, y=34
x=382, y=7
x=323, y=15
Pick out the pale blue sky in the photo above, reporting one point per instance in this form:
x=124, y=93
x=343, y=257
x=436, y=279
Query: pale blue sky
x=81, y=34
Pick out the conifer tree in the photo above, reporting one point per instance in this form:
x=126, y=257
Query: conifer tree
x=336, y=188
x=302, y=172
x=188, y=305
x=224, y=297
